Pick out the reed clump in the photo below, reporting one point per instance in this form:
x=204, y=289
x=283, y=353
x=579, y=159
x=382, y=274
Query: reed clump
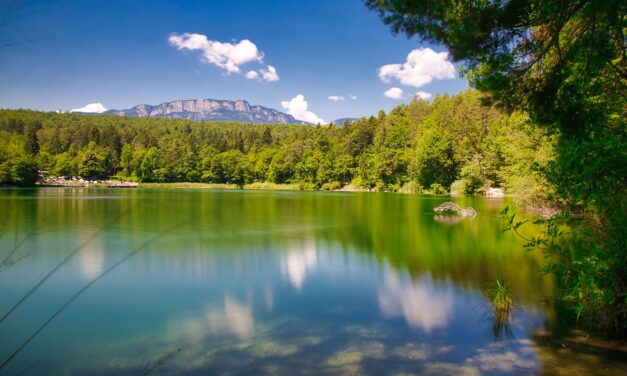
x=501, y=295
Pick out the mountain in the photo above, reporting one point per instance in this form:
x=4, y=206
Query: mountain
x=342, y=121
x=209, y=110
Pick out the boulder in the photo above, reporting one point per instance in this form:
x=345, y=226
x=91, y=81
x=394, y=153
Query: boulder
x=449, y=208
x=494, y=192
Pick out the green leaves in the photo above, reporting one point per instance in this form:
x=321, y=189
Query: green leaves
x=564, y=63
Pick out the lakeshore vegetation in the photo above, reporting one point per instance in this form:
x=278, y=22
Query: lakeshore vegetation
x=453, y=143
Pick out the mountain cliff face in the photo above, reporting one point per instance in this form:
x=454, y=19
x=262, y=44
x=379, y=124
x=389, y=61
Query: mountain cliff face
x=208, y=110
x=342, y=121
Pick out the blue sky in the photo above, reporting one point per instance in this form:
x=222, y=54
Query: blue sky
x=65, y=54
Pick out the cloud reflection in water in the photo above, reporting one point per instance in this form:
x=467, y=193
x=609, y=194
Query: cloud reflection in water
x=233, y=318
x=423, y=305
x=298, y=262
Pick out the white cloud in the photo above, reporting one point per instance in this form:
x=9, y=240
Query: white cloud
x=423, y=65
x=228, y=56
x=297, y=107
x=269, y=74
x=394, y=93
x=252, y=75
x=95, y=108
x=423, y=95
x=336, y=98
x=339, y=98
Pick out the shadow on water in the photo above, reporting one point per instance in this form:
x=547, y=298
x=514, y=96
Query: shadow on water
x=153, y=366
x=576, y=353
x=82, y=290
x=6, y=261
x=93, y=237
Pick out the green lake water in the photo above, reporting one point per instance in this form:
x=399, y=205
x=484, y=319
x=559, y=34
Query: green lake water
x=150, y=281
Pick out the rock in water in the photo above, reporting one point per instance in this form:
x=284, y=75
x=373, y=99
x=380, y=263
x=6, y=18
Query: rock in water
x=494, y=192
x=449, y=208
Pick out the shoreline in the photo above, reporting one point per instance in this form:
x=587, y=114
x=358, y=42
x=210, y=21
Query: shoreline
x=541, y=209
x=247, y=187
x=263, y=186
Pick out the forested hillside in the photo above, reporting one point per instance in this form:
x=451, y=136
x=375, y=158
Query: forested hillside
x=453, y=141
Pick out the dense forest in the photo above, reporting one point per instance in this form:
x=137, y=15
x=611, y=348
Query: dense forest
x=454, y=143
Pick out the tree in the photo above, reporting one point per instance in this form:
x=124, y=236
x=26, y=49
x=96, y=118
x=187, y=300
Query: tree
x=95, y=163
x=565, y=64
x=232, y=167
x=31, y=146
x=150, y=165
x=434, y=159
x=554, y=59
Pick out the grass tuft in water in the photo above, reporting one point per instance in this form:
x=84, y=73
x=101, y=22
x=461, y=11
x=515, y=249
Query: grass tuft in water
x=501, y=300
x=501, y=297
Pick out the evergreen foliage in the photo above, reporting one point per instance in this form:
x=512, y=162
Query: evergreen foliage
x=417, y=146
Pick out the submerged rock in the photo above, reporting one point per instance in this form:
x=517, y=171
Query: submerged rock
x=449, y=208
x=495, y=192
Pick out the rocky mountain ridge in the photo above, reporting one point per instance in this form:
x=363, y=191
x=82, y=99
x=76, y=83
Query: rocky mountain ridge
x=209, y=110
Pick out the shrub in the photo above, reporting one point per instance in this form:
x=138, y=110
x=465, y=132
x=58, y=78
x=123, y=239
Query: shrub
x=331, y=186
x=411, y=187
x=459, y=187
x=437, y=189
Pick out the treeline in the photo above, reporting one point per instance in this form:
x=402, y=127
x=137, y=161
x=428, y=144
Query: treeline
x=454, y=143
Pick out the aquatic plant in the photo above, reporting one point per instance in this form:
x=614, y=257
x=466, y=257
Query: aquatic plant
x=501, y=297
x=501, y=300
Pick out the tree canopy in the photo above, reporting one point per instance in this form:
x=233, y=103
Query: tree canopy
x=563, y=63
x=414, y=147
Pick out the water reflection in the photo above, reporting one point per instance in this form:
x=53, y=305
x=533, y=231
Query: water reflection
x=91, y=259
x=299, y=261
x=232, y=317
x=269, y=298
x=266, y=282
x=450, y=219
x=423, y=305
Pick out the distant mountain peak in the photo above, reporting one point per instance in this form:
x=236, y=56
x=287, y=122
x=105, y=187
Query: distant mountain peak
x=209, y=110
x=343, y=121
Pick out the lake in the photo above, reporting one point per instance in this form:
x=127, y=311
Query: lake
x=157, y=281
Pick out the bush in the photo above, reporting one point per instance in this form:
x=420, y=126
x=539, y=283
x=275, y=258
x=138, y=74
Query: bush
x=307, y=186
x=437, y=189
x=411, y=187
x=459, y=187
x=332, y=186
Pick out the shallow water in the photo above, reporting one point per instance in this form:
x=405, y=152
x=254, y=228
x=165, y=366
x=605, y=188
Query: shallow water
x=150, y=281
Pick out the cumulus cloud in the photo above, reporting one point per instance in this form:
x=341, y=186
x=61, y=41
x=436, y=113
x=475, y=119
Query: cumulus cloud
x=269, y=74
x=298, y=106
x=228, y=56
x=336, y=98
x=423, y=95
x=94, y=108
x=394, y=93
x=340, y=98
x=252, y=75
x=422, y=66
